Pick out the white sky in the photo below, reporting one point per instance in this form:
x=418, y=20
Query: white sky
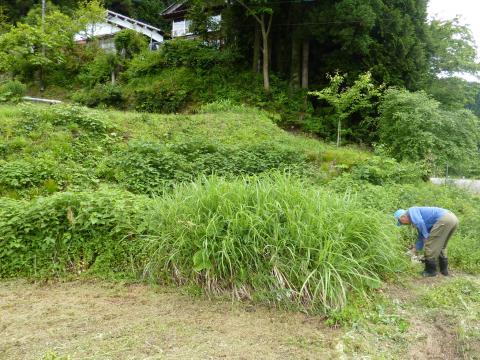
x=467, y=10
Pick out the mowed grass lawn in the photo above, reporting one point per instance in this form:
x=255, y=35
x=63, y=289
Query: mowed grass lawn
x=103, y=320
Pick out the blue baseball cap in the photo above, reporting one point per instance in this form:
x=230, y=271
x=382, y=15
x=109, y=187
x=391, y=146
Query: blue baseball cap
x=397, y=215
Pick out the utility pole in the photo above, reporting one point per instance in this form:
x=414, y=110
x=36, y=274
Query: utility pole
x=42, y=84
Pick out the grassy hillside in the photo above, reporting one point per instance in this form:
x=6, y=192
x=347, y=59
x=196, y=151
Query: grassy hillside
x=48, y=149
x=222, y=201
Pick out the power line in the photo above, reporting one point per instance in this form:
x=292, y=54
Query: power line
x=320, y=23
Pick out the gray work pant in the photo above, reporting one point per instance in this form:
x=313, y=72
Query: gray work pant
x=442, y=231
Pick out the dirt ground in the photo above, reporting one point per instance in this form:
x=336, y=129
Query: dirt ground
x=100, y=320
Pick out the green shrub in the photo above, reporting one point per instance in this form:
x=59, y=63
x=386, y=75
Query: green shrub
x=129, y=42
x=149, y=168
x=224, y=105
x=99, y=70
x=21, y=174
x=64, y=115
x=12, y=145
x=69, y=233
x=12, y=91
x=275, y=239
x=414, y=128
x=100, y=94
x=166, y=95
x=146, y=63
x=381, y=170
x=195, y=54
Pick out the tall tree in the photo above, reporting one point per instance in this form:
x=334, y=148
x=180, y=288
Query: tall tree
x=305, y=62
x=124, y=7
x=17, y=9
x=33, y=45
x=398, y=54
x=413, y=127
x=149, y=11
x=263, y=15
x=298, y=31
x=452, y=48
x=454, y=92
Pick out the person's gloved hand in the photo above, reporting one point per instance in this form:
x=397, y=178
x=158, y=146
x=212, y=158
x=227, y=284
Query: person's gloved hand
x=413, y=254
x=418, y=259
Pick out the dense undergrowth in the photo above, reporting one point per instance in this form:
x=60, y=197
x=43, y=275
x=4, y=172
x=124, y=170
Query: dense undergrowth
x=268, y=238
x=221, y=200
x=182, y=75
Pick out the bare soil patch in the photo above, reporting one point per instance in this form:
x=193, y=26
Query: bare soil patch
x=435, y=340
x=434, y=334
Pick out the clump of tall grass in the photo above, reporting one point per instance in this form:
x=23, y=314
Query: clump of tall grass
x=272, y=238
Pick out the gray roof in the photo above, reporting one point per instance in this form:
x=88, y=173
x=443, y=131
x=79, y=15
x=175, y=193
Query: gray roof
x=175, y=9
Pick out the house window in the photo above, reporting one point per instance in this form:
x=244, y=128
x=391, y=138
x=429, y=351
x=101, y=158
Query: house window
x=181, y=28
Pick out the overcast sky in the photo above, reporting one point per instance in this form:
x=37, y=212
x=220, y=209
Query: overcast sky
x=467, y=10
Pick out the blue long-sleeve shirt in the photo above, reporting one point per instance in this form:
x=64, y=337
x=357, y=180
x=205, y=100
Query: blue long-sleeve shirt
x=423, y=218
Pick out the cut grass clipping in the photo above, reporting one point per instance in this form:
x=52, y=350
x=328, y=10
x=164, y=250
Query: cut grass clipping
x=274, y=239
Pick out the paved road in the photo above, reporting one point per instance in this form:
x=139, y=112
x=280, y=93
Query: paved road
x=472, y=185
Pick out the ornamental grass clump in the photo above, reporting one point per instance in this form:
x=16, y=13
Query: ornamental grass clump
x=271, y=238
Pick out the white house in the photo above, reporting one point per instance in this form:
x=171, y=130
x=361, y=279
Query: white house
x=177, y=13
x=114, y=22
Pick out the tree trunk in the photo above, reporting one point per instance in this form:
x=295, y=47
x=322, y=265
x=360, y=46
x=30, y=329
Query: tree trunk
x=295, y=64
x=276, y=52
x=305, y=62
x=266, y=65
x=256, y=51
x=265, y=34
x=113, y=77
x=305, y=68
x=338, y=131
x=41, y=79
x=266, y=52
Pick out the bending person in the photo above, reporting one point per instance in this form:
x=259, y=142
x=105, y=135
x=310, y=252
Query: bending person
x=435, y=227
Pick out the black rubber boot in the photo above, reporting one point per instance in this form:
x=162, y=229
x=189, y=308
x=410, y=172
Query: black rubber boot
x=443, y=262
x=430, y=268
